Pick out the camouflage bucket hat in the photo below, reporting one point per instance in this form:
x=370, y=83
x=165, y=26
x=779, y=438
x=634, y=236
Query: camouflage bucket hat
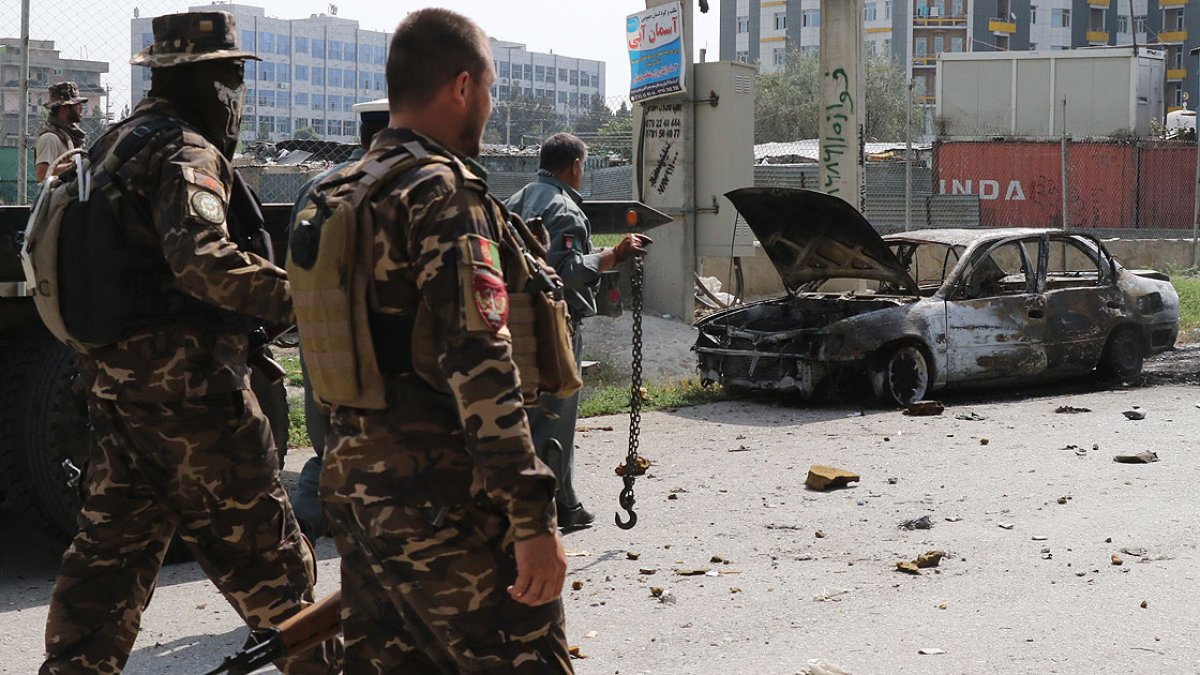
x=189, y=38
x=63, y=93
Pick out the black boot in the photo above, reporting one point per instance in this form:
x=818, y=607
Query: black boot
x=575, y=518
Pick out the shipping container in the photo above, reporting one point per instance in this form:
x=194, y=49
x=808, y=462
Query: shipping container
x=1109, y=91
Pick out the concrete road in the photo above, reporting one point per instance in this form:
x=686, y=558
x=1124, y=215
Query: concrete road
x=1027, y=504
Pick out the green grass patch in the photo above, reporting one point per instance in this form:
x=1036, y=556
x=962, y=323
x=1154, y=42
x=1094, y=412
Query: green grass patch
x=291, y=364
x=613, y=399
x=297, y=432
x=606, y=240
x=1188, y=288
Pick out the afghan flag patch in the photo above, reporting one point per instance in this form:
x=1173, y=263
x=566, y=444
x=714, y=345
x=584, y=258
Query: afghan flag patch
x=491, y=298
x=483, y=252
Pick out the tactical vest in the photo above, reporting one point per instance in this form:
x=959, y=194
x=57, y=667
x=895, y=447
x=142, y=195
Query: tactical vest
x=95, y=280
x=350, y=341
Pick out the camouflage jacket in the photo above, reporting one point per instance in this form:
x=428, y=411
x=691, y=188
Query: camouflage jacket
x=435, y=249
x=180, y=185
x=571, y=254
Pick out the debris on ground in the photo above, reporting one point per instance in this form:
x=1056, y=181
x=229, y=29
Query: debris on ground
x=741, y=448
x=924, y=408
x=1135, y=551
x=823, y=478
x=1134, y=415
x=831, y=595
x=822, y=667
x=893, y=481
x=984, y=441
x=632, y=555
x=1071, y=410
x=1005, y=526
x=575, y=652
x=646, y=570
x=930, y=651
x=970, y=417
x=1116, y=560
x=577, y=554
x=929, y=559
x=819, y=534
x=577, y=585
x=1063, y=500
x=691, y=571
x=908, y=567
x=1140, y=458
x=584, y=428
x=640, y=466
x=953, y=519
x=1144, y=604
x=922, y=523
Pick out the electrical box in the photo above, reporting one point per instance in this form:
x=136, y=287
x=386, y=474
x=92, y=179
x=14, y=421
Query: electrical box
x=723, y=92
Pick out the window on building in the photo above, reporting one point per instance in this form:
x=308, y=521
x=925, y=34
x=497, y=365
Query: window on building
x=1178, y=96
x=779, y=56
x=887, y=9
x=1122, y=23
x=247, y=42
x=585, y=78
x=920, y=47
x=780, y=20
x=743, y=24
x=283, y=99
x=347, y=104
x=334, y=50
x=301, y=99
x=380, y=56
x=939, y=44
x=1033, y=14
x=1060, y=18
x=283, y=44
x=147, y=40
x=266, y=98
x=333, y=78
x=334, y=102
x=810, y=18
x=1139, y=24
x=562, y=97
x=1180, y=23
x=318, y=49
x=887, y=45
x=574, y=78
x=810, y=50
x=266, y=43
x=364, y=82
x=283, y=125
x=266, y=71
x=957, y=8
x=869, y=12
x=378, y=78
x=251, y=71
x=742, y=56
x=301, y=73
x=301, y=45
x=956, y=43
x=562, y=74
x=502, y=69
x=574, y=99
x=318, y=126
x=318, y=101
x=872, y=49
x=301, y=122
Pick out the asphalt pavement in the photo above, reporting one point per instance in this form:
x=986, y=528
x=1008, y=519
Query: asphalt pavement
x=1056, y=558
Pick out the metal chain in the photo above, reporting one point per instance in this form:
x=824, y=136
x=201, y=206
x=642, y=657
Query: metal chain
x=627, y=499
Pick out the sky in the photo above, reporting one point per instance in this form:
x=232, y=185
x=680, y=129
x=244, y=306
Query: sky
x=595, y=29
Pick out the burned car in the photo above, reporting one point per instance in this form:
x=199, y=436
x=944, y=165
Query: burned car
x=911, y=313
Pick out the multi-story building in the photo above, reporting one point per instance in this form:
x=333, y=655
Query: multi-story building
x=914, y=32
x=312, y=71
x=571, y=84
x=46, y=66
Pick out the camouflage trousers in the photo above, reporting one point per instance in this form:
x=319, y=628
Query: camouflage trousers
x=199, y=467
x=426, y=598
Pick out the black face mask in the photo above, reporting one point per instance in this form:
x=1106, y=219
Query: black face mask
x=208, y=94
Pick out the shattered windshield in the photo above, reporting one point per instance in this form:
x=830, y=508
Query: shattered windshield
x=928, y=263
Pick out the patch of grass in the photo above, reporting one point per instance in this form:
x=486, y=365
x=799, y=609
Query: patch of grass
x=297, y=432
x=291, y=363
x=1188, y=288
x=613, y=399
x=606, y=240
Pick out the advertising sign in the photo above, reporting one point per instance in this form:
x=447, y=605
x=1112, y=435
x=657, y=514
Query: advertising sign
x=656, y=56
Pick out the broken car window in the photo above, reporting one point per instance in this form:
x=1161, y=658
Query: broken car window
x=1072, y=265
x=1003, y=269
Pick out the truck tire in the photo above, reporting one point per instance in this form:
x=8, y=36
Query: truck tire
x=43, y=423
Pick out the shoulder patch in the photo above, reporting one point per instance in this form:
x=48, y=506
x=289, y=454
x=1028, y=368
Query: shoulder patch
x=491, y=299
x=482, y=252
x=205, y=180
x=208, y=207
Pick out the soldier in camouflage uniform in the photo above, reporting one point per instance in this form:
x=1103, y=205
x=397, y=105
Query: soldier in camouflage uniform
x=179, y=444
x=444, y=516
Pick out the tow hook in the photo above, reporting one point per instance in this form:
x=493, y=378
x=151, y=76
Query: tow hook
x=73, y=473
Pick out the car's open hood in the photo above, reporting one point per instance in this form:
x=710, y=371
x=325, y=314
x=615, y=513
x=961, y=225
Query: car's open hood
x=812, y=236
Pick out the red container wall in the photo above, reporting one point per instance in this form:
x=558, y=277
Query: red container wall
x=1112, y=184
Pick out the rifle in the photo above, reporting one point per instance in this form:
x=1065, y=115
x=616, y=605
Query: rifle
x=310, y=627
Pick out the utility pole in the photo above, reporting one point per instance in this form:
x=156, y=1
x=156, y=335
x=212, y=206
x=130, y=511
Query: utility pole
x=843, y=100
x=23, y=119
x=1066, y=188
x=908, y=158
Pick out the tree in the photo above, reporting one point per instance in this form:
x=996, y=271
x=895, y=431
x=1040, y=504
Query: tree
x=95, y=123
x=617, y=133
x=787, y=107
x=306, y=134
x=593, y=118
x=520, y=118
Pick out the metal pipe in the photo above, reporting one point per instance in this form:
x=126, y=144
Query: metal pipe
x=1066, y=218
x=1196, y=207
x=908, y=158
x=23, y=118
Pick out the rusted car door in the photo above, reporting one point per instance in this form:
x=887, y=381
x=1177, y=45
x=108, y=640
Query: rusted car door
x=1083, y=302
x=995, y=316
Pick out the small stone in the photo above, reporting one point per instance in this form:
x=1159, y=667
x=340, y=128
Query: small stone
x=590, y=634
x=1039, y=537
x=919, y=523
x=655, y=591
x=823, y=478
x=1116, y=560
x=734, y=589
x=577, y=585
x=672, y=496
x=924, y=408
x=1005, y=526
x=632, y=555
x=1134, y=415
x=984, y=441
x=929, y=559
x=819, y=534
x=718, y=559
x=646, y=570
x=1140, y=458
x=1062, y=500
x=908, y=567
x=575, y=652
x=942, y=606
x=893, y=481
x=931, y=651
x=1144, y=605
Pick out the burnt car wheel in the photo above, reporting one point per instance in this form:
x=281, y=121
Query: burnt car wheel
x=1123, y=355
x=903, y=376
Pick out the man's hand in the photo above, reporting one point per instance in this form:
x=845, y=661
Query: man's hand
x=541, y=569
x=630, y=245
